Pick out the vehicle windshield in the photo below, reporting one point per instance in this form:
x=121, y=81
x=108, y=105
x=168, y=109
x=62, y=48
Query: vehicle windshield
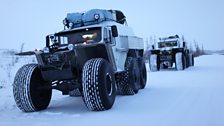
x=88, y=35
x=167, y=44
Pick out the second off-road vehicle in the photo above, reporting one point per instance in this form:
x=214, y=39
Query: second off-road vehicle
x=169, y=51
x=96, y=56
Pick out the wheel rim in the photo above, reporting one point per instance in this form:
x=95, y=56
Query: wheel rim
x=109, y=84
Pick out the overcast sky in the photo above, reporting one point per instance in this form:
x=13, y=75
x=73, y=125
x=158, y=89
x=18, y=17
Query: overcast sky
x=29, y=21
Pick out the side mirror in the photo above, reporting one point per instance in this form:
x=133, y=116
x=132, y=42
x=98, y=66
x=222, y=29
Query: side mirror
x=47, y=41
x=114, y=31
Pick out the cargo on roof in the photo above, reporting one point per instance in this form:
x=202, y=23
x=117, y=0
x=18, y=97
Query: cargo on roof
x=94, y=16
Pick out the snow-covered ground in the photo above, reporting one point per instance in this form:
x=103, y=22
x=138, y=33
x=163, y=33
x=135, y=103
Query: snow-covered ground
x=194, y=97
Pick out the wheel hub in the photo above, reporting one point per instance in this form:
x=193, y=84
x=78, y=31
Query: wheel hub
x=109, y=84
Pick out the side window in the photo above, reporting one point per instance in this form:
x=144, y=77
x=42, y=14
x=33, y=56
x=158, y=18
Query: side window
x=110, y=36
x=112, y=39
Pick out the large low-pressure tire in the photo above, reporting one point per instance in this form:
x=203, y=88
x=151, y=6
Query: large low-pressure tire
x=28, y=89
x=98, y=83
x=180, y=61
x=123, y=87
x=154, y=63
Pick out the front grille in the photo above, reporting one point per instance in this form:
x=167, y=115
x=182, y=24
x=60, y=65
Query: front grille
x=57, y=60
x=165, y=52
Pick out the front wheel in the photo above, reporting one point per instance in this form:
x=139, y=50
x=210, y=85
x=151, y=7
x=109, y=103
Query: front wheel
x=154, y=63
x=180, y=61
x=31, y=92
x=98, y=83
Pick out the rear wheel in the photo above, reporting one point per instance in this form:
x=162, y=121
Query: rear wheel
x=131, y=78
x=188, y=60
x=30, y=91
x=98, y=83
x=191, y=57
x=143, y=75
x=192, y=60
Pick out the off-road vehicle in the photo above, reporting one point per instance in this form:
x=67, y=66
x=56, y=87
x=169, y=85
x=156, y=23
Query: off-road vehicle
x=96, y=56
x=168, y=51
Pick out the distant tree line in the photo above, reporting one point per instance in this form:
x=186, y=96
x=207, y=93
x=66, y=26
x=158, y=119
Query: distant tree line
x=198, y=51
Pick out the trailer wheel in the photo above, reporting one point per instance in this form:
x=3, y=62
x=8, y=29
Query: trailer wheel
x=180, y=61
x=98, y=83
x=28, y=89
x=154, y=63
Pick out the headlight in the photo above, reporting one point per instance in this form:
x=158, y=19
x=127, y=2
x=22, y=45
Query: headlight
x=65, y=22
x=97, y=16
x=46, y=50
x=70, y=25
x=70, y=47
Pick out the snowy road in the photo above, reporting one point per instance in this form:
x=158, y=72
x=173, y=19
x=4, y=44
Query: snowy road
x=194, y=97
